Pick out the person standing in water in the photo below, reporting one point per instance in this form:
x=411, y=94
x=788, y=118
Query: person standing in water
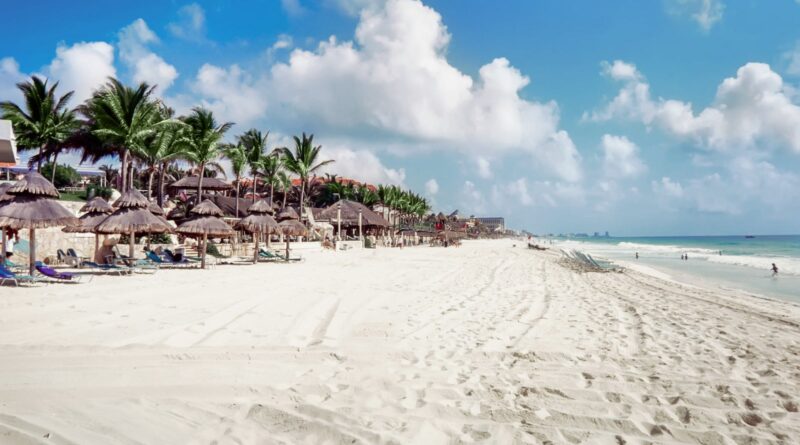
x=637, y=255
x=774, y=270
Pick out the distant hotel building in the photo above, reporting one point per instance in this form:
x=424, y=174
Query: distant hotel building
x=493, y=223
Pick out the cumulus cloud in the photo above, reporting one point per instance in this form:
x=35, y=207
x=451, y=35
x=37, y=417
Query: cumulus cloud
x=145, y=65
x=355, y=7
x=394, y=81
x=705, y=12
x=621, y=157
x=232, y=94
x=10, y=75
x=82, y=67
x=472, y=200
x=668, y=187
x=191, y=23
x=752, y=107
x=361, y=165
x=293, y=7
x=431, y=187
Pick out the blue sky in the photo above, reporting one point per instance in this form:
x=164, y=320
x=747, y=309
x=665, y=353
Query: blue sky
x=641, y=118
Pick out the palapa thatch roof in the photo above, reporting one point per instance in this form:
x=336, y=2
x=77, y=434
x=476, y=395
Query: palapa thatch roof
x=287, y=213
x=292, y=227
x=260, y=206
x=155, y=209
x=132, y=199
x=34, y=212
x=133, y=215
x=97, y=205
x=350, y=211
x=32, y=205
x=258, y=223
x=228, y=204
x=86, y=223
x=3, y=189
x=128, y=220
x=207, y=208
x=33, y=184
x=191, y=183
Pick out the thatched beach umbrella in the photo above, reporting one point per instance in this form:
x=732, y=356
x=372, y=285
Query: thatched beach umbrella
x=33, y=206
x=96, y=211
x=258, y=222
x=287, y=213
x=131, y=217
x=192, y=183
x=291, y=227
x=206, y=221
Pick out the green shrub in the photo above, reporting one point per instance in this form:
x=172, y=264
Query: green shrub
x=66, y=176
x=156, y=238
x=96, y=190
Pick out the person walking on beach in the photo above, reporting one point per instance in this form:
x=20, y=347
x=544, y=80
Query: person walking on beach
x=774, y=270
x=637, y=255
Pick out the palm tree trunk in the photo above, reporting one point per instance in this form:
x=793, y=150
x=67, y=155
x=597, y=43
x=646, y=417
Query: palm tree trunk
x=161, y=174
x=132, y=170
x=237, y=197
x=150, y=184
x=271, y=192
x=123, y=173
x=254, y=186
x=302, y=196
x=285, y=195
x=200, y=183
x=38, y=164
x=55, y=164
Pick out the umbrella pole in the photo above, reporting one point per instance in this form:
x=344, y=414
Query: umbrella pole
x=287, y=247
x=4, y=245
x=131, y=242
x=32, y=256
x=255, y=248
x=203, y=256
x=360, y=233
x=96, y=246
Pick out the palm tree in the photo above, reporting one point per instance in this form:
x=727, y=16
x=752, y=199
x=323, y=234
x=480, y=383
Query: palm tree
x=285, y=183
x=271, y=165
x=122, y=118
x=161, y=148
x=45, y=122
x=237, y=154
x=256, y=145
x=202, y=142
x=303, y=161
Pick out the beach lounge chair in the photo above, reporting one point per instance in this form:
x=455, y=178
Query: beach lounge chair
x=11, y=277
x=275, y=256
x=107, y=268
x=168, y=260
x=51, y=273
x=73, y=254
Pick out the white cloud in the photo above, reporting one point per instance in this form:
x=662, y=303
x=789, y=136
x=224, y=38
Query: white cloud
x=191, y=24
x=519, y=190
x=82, y=67
x=793, y=60
x=483, y=167
x=705, y=12
x=472, y=199
x=355, y=7
x=232, y=94
x=10, y=75
x=395, y=82
x=145, y=65
x=751, y=108
x=293, y=7
x=668, y=187
x=621, y=157
x=361, y=165
x=431, y=187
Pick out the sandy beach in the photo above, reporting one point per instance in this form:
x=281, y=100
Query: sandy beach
x=486, y=343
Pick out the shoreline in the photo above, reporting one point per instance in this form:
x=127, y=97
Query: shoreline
x=485, y=343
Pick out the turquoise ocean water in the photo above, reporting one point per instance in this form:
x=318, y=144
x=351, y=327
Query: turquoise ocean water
x=728, y=261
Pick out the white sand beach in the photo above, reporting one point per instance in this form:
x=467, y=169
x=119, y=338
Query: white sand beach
x=486, y=343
